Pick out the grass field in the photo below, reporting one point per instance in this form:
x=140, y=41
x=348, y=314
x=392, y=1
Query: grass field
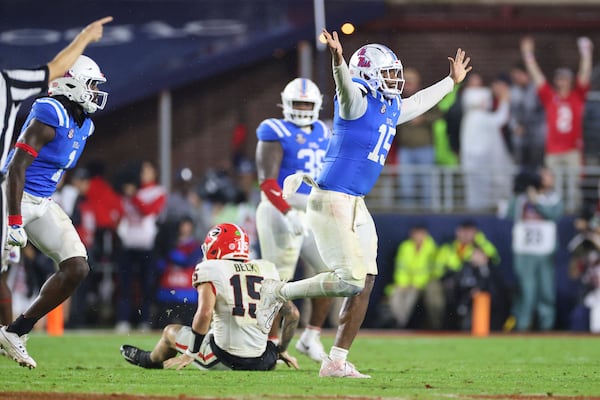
x=406, y=366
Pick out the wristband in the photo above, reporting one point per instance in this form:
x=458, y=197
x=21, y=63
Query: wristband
x=194, y=346
x=15, y=220
x=271, y=189
x=27, y=149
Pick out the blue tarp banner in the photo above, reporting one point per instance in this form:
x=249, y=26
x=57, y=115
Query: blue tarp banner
x=160, y=44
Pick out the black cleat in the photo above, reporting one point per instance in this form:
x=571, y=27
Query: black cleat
x=139, y=357
x=131, y=354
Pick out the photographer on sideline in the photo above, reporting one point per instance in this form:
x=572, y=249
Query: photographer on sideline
x=535, y=209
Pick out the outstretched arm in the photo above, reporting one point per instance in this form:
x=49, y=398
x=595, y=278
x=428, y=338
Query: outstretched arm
x=528, y=54
x=586, y=48
x=67, y=56
x=350, y=98
x=426, y=98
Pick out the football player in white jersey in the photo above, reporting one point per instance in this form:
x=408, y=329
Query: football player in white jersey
x=368, y=107
x=296, y=143
x=223, y=334
x=51, y=141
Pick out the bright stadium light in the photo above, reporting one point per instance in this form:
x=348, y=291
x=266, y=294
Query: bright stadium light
x=348, y=28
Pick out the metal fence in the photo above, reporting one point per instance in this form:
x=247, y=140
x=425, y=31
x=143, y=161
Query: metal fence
x=436, y=189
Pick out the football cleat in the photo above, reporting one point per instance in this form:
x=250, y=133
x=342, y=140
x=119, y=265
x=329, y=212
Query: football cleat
x=269, y=304
x=339, y=369
x=130, y=354
x=15, y=348
x=139, y=357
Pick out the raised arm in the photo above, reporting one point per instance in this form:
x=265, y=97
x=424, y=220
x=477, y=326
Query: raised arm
x=586, y=49
x=426, y=98
x=351, y=99
x=528, y=54
x=67, y=56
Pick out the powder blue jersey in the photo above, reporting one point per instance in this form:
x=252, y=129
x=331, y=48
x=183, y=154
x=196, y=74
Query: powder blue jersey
x=61, y=153
x=358, y=148
x=302, y=151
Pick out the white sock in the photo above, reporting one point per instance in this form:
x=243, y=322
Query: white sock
x=310, y=334
x=337, y=353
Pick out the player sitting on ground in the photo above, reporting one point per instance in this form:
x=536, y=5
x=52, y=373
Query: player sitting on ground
x=228, y=285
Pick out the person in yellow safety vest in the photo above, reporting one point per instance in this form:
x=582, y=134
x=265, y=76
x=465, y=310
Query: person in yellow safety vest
x=454, y=256
x=414, y=262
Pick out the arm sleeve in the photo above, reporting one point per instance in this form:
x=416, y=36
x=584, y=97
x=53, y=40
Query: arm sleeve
x=205, y=271
x=351, y=96
x=425, y=99
x=545, y=93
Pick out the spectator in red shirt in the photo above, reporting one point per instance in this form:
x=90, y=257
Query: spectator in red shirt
x=107, y=207
x=564, y=105
x=143, y=202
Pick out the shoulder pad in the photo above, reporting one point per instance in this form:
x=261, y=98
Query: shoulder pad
x=51, y=112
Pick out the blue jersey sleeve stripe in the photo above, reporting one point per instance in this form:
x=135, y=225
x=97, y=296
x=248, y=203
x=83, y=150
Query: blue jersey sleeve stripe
x=276, y=127
x=61, y=113
x=284, y=129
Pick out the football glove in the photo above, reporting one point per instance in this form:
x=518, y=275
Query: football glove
x=294, y=222
x=16, y=236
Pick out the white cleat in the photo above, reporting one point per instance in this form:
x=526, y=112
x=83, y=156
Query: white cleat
x=15, y=348
x=339, y=369
x=314, y=350
x=269, y=304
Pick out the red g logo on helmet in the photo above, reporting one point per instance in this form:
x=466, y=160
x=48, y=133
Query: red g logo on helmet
x=226, y=241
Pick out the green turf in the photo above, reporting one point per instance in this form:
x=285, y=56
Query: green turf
x=404, y=366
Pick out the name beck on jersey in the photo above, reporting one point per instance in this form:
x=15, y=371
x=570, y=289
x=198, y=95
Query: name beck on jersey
x=246, y=267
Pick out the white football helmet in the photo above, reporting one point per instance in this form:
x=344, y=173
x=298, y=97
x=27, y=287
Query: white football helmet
x=86, y=71
x=72, y=89
x=371, y=61
x=301, y=90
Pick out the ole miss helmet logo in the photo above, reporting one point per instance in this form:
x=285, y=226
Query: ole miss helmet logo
x=363, y=61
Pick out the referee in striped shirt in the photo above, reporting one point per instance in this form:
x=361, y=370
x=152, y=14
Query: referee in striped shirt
x=17, y=85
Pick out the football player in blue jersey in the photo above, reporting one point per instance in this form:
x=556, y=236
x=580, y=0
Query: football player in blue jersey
x=51, y=141
x=296, y=143
x=18, y=85
x=368, y=106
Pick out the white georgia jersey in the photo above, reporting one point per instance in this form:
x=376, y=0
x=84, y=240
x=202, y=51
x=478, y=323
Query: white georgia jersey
x=237, y=286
